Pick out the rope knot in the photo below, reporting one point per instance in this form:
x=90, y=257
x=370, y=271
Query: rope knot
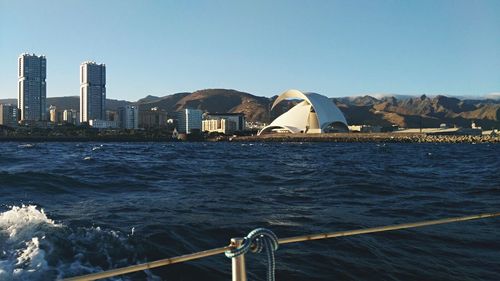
x=258, y=240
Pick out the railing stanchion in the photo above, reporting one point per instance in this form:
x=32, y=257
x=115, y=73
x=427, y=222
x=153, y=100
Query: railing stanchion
x=238, y=263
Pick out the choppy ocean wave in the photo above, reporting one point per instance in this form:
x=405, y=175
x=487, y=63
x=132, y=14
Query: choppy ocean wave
x=34, y=247
x=68, y=209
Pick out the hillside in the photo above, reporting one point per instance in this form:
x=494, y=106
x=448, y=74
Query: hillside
x=168, y=103
x=430, y=112
x=214, y=100
x=406, y=112
x=410, y=112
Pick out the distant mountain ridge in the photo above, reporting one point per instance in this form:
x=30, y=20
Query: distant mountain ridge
x=411, y=112
x=213, y=100
x=421, y=111
x=386, y=110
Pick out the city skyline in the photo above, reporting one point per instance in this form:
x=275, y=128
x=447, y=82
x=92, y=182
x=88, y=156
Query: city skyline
x=336, y=48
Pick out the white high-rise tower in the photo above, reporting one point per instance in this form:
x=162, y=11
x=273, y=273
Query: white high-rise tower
x=92, y=91
x=32, y=88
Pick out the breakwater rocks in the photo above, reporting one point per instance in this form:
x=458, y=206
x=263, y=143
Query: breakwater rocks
x=370, y=137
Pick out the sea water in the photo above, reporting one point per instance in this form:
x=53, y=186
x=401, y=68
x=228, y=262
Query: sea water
x=68, y=209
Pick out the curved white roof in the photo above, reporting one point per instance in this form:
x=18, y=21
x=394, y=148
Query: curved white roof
x=312, y=115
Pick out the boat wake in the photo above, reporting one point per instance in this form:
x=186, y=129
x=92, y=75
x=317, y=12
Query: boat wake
x=35, y=247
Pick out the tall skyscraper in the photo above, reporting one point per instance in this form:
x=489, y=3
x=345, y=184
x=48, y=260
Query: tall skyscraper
x=32, y=88
x=92, y=91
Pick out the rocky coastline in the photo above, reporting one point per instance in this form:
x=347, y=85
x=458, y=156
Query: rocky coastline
x=336, y=137
x=370, y=137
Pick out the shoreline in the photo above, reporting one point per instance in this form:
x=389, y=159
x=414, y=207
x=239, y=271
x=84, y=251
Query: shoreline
x=333, y=137
x=371, y=137
x=84, y=139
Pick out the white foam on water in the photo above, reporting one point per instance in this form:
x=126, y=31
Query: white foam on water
x=28, y=239
x=97, y=147
x=27, y=145
x=22, y=231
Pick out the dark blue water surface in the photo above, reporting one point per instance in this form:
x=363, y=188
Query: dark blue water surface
x=116, y=204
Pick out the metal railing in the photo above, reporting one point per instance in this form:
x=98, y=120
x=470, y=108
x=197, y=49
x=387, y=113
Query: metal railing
x=238, y=263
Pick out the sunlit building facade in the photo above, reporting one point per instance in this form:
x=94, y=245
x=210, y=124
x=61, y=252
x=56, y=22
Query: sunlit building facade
x=315, y=114
x=189, y=120
x=70, y=116
x=221, y=125
x=237, y=118
x=92, y=91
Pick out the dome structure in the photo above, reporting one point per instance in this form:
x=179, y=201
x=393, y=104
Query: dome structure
x=314, y=114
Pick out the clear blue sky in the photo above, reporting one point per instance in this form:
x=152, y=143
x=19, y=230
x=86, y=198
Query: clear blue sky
x=337, y=48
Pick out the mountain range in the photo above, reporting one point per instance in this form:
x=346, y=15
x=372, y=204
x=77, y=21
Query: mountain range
x=404, y=111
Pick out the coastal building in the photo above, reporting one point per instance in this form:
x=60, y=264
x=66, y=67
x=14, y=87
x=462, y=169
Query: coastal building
x=221, y=125
x=56, y=116
x=112, y=115
x=237, y=118
x=32, y=88
x=314, y=114
x=103, y=124
x=92, y=91
x=153, y=118
x=254, y=125
x=365, y=128
x=8, y=115
x=128, y=117
x=70, y=116
x=189, y=120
